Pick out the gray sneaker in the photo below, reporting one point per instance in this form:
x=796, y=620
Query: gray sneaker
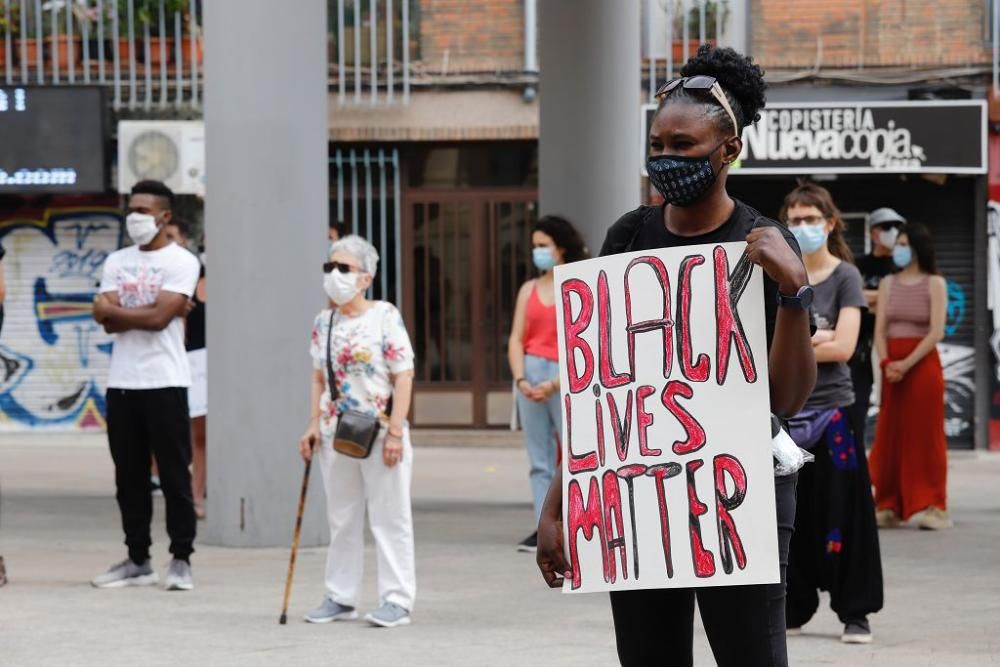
x=178, y=576
x=127, y=573
x=328, y=611
x=389, y=615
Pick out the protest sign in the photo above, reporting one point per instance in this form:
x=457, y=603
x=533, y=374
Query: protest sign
x=667, y=472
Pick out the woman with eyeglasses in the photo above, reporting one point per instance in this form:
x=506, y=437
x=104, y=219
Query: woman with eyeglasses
x=695, y=136
x=533, y=353
x=835, y=545
x=910, y=456
x=364, y=348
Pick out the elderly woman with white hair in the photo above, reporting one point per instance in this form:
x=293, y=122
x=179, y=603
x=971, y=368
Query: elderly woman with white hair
x=361, y=389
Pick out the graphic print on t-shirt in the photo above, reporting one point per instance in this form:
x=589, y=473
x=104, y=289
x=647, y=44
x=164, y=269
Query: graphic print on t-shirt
x=139, y=285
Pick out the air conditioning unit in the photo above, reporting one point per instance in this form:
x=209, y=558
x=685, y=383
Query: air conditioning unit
x=168, y=151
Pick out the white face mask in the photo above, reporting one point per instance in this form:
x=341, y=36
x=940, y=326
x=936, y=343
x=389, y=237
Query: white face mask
x=887, y=237
x=341, y=287
x=141, y=227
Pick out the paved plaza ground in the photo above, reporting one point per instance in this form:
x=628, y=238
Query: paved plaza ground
x=479, y=602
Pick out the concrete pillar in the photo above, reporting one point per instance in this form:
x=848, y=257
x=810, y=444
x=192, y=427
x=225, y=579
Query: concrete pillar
x=265, y=217
x=590, y=92
x=736, y=31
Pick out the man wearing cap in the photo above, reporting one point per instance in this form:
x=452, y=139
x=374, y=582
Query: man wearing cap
x=884, y=224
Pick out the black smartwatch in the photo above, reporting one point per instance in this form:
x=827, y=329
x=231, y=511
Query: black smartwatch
x=801, y=300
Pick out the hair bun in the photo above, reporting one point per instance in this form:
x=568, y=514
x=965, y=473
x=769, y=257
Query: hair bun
x=739, y=75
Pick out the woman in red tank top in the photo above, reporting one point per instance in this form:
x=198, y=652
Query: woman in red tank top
x=909, y=461
x=533, y=353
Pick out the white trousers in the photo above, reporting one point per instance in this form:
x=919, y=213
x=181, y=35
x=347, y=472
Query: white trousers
x=352, y=485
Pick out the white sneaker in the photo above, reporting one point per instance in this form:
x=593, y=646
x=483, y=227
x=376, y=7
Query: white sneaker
x=126, y=573
x=329, y=611
x=389, y=615
x=886, y=519
x=179, y=576
x=935, y=518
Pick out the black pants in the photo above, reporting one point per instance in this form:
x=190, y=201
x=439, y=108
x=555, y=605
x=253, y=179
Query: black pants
x=835, y=547
x=745, y=624
x=146, y=423
x=858, y=413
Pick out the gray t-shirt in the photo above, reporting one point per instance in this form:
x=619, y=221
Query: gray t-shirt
x=842, y=289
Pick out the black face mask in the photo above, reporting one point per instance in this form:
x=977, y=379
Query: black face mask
x=681, y=180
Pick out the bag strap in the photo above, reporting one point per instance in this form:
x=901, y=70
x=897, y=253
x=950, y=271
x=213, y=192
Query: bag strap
x=331, y=378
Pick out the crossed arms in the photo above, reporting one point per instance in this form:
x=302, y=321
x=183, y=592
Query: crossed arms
x=109, y=313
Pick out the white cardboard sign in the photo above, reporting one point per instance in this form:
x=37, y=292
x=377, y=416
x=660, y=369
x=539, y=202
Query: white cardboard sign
x=667, y=472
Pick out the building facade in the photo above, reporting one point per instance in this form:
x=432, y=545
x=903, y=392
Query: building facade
x=434, y=154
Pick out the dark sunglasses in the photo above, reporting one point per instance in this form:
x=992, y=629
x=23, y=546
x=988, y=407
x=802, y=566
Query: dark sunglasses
x=699, y=82
x=330, y=267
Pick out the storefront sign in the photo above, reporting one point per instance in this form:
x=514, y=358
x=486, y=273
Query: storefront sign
x=668, y=478
x=940, y=137
x=53, y=139
x=871, y=137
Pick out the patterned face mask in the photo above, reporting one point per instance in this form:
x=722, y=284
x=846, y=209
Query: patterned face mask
x=680, y=180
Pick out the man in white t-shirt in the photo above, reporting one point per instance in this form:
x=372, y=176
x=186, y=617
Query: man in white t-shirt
x=144, y=296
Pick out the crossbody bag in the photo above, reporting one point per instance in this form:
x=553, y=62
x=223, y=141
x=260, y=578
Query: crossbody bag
x=356, y=431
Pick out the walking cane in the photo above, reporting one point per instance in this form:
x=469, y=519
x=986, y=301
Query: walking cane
x=295, y=543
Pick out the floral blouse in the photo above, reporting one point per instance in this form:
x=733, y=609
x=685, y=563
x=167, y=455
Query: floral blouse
x=367, y=351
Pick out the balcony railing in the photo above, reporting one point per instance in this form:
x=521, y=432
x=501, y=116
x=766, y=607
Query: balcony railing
x=148, y=51
x=672, y=32
x=371, y=45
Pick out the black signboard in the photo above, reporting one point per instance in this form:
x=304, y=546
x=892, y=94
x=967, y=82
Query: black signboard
x=944, y=137
x=53, y=139
x=941, y=137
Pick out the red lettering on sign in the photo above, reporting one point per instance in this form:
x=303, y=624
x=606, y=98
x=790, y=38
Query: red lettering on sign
x=695, y=433
x=614, y=527
x=729, y=539
x=645, y=419
x=661, y=473
x=586, y=519
x=578, y=381
x=729, y=329
x=664, y=324
x=694, y=371
x=704, y=560
x=609, y=377
x=621, y=429
x=629, y=473
x=576, y=463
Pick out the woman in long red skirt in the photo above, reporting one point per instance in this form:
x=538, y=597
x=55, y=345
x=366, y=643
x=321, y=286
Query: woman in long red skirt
x=909, y=462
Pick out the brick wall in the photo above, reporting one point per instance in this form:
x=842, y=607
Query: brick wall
x=484, y=35
x=869, y=33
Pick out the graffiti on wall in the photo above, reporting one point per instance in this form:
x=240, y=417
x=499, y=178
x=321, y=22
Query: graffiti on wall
x=53, y=357
x=959, y=364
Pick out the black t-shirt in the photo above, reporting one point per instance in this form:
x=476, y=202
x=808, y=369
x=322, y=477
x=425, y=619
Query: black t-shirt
x=643, y=229
x=195, y=330
x=873, y=269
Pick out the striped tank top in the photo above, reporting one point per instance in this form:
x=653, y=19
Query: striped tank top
x=909, y=309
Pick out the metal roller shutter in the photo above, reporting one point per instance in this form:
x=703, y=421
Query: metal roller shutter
x=948, y=208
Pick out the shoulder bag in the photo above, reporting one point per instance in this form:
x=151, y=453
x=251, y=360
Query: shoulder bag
x=356, y=431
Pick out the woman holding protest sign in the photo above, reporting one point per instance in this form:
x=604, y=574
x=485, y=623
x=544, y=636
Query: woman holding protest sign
x=835, y=546
x=534, y=355
x=695, y=136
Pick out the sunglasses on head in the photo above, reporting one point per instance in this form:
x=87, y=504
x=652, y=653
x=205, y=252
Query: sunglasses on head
x=330, y=267
x=700, y=82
